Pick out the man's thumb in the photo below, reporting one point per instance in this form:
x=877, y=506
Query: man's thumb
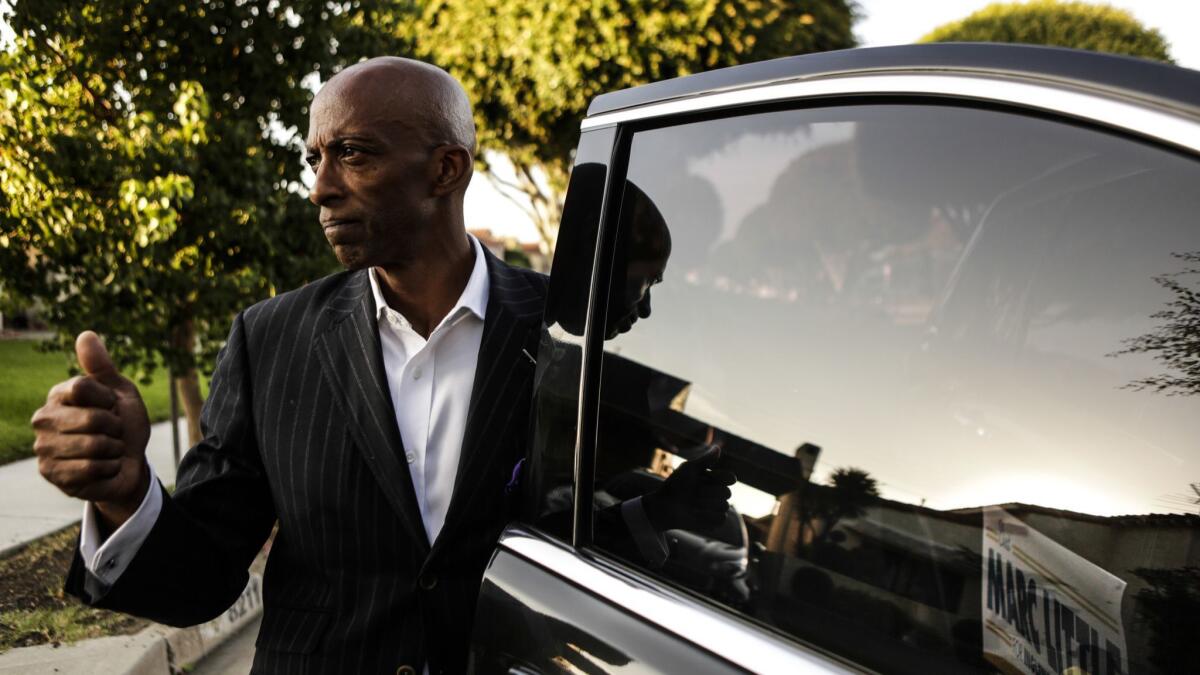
x=705, y=460
x=94, y=358
x=709, y=458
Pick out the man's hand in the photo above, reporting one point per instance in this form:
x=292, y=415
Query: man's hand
x=694, y=497
x=92, y=435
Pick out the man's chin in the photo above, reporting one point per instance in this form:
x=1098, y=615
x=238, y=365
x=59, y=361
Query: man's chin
x=351, y=257
x=621, y=326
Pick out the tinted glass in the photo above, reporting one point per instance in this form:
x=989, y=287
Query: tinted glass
x=950, y=355
x=548, y=491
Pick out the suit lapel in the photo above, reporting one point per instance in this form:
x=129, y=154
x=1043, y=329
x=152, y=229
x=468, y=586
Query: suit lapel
x=502, y=376
x=352, y=360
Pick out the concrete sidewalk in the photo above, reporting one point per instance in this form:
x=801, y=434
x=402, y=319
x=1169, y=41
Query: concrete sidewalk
x=30, y=507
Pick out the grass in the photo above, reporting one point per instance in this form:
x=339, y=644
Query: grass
x=33, y=608
x=26, y=374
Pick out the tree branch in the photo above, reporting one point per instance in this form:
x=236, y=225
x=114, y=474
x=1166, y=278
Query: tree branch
x=500, y=182
x=108, y=113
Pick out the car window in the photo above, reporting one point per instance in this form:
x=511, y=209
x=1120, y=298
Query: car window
x=548, y=493
x=949, y=354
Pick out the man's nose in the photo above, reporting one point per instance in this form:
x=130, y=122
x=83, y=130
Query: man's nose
x=643, y=307
x=327, y=186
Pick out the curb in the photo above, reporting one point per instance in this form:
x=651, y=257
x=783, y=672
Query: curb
x=21, y=546
x=156, y=650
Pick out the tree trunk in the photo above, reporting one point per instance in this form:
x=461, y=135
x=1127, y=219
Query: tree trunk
x=189, y=392
x=187, y=383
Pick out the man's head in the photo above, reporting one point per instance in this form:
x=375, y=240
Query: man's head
x=642, y=252
x=392, y=142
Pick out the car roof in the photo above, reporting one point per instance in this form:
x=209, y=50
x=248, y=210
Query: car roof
x=1166, y=84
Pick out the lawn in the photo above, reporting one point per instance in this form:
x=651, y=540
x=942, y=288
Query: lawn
x=26, y=375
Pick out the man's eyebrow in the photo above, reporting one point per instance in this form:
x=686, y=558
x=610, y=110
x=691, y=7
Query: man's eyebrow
x=342, y=140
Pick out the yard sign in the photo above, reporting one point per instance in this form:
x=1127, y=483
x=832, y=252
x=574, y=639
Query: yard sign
x=1046, y=609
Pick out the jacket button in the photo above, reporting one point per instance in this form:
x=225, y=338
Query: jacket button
x=406, y=670
x=427, y=581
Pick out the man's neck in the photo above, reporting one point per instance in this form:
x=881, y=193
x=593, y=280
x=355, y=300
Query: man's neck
x=426, y=289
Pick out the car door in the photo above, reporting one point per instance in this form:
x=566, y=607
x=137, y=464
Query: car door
x=937, y=308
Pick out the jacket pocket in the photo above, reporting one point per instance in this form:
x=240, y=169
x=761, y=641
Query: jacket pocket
x=292, y=630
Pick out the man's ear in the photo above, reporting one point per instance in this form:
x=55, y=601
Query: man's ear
x=453, y=167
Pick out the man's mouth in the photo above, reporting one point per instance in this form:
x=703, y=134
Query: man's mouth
x=338, y=230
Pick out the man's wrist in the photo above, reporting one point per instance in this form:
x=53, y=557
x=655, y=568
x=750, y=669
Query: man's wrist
x=113, y=514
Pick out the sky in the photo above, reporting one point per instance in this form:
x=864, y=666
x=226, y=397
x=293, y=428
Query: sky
x=892, y=22
x=883, y=22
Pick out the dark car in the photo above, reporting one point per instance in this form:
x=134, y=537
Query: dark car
x=939, y=306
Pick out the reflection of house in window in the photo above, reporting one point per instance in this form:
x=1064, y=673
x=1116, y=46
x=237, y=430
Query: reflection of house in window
x=913, y=568
x=926, y=566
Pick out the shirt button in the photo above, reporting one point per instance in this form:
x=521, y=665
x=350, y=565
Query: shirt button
x=417, y=374
x=410, y=457
x=406, y=670
x=427, y=581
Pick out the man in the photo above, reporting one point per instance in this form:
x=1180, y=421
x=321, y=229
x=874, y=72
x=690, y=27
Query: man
x=376, y=413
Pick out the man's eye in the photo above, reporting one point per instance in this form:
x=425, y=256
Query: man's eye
x=312, y=161
x=349, y=151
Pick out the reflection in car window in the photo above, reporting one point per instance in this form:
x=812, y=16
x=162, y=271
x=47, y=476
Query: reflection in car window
x=548, y=493
x=949, y=354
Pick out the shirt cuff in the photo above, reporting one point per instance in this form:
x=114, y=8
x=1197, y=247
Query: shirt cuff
x=650, y=542
x=107, y=560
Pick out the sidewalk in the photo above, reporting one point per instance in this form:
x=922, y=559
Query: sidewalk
x=30, y=507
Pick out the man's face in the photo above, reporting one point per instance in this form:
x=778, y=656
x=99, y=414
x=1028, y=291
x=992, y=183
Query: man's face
x=635, y=300
x=372, y=174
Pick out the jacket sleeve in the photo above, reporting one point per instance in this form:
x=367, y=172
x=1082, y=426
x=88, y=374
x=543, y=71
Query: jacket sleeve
x=193, y=564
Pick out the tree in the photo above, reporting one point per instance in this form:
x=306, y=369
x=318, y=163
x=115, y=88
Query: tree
x=1176, y=342
x=1167, y=606
x=532, y=67
x=150, y=166
x=1079, y=25
x=849, y=493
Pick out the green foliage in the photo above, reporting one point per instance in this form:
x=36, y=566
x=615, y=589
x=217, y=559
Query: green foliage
x=531, y=67
x=1079, y=25
x=72, y=623
x=149, y=163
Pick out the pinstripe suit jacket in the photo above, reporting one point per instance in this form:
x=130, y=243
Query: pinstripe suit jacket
x=299, y=428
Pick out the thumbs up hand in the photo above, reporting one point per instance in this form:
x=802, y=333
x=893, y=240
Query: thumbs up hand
x=694, y=497
x=92, y=433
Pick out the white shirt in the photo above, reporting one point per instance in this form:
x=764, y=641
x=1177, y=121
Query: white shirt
x=430, y=383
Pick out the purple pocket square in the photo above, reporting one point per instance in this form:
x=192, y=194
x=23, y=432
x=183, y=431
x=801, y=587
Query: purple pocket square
x=515, y=478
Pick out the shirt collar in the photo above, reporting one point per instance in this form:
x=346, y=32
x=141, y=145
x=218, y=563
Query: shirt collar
x=474, y=297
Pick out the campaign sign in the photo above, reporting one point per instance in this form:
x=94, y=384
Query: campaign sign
x=1046, y=609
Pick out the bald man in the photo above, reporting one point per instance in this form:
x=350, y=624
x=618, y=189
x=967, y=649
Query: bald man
x=375, y=414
